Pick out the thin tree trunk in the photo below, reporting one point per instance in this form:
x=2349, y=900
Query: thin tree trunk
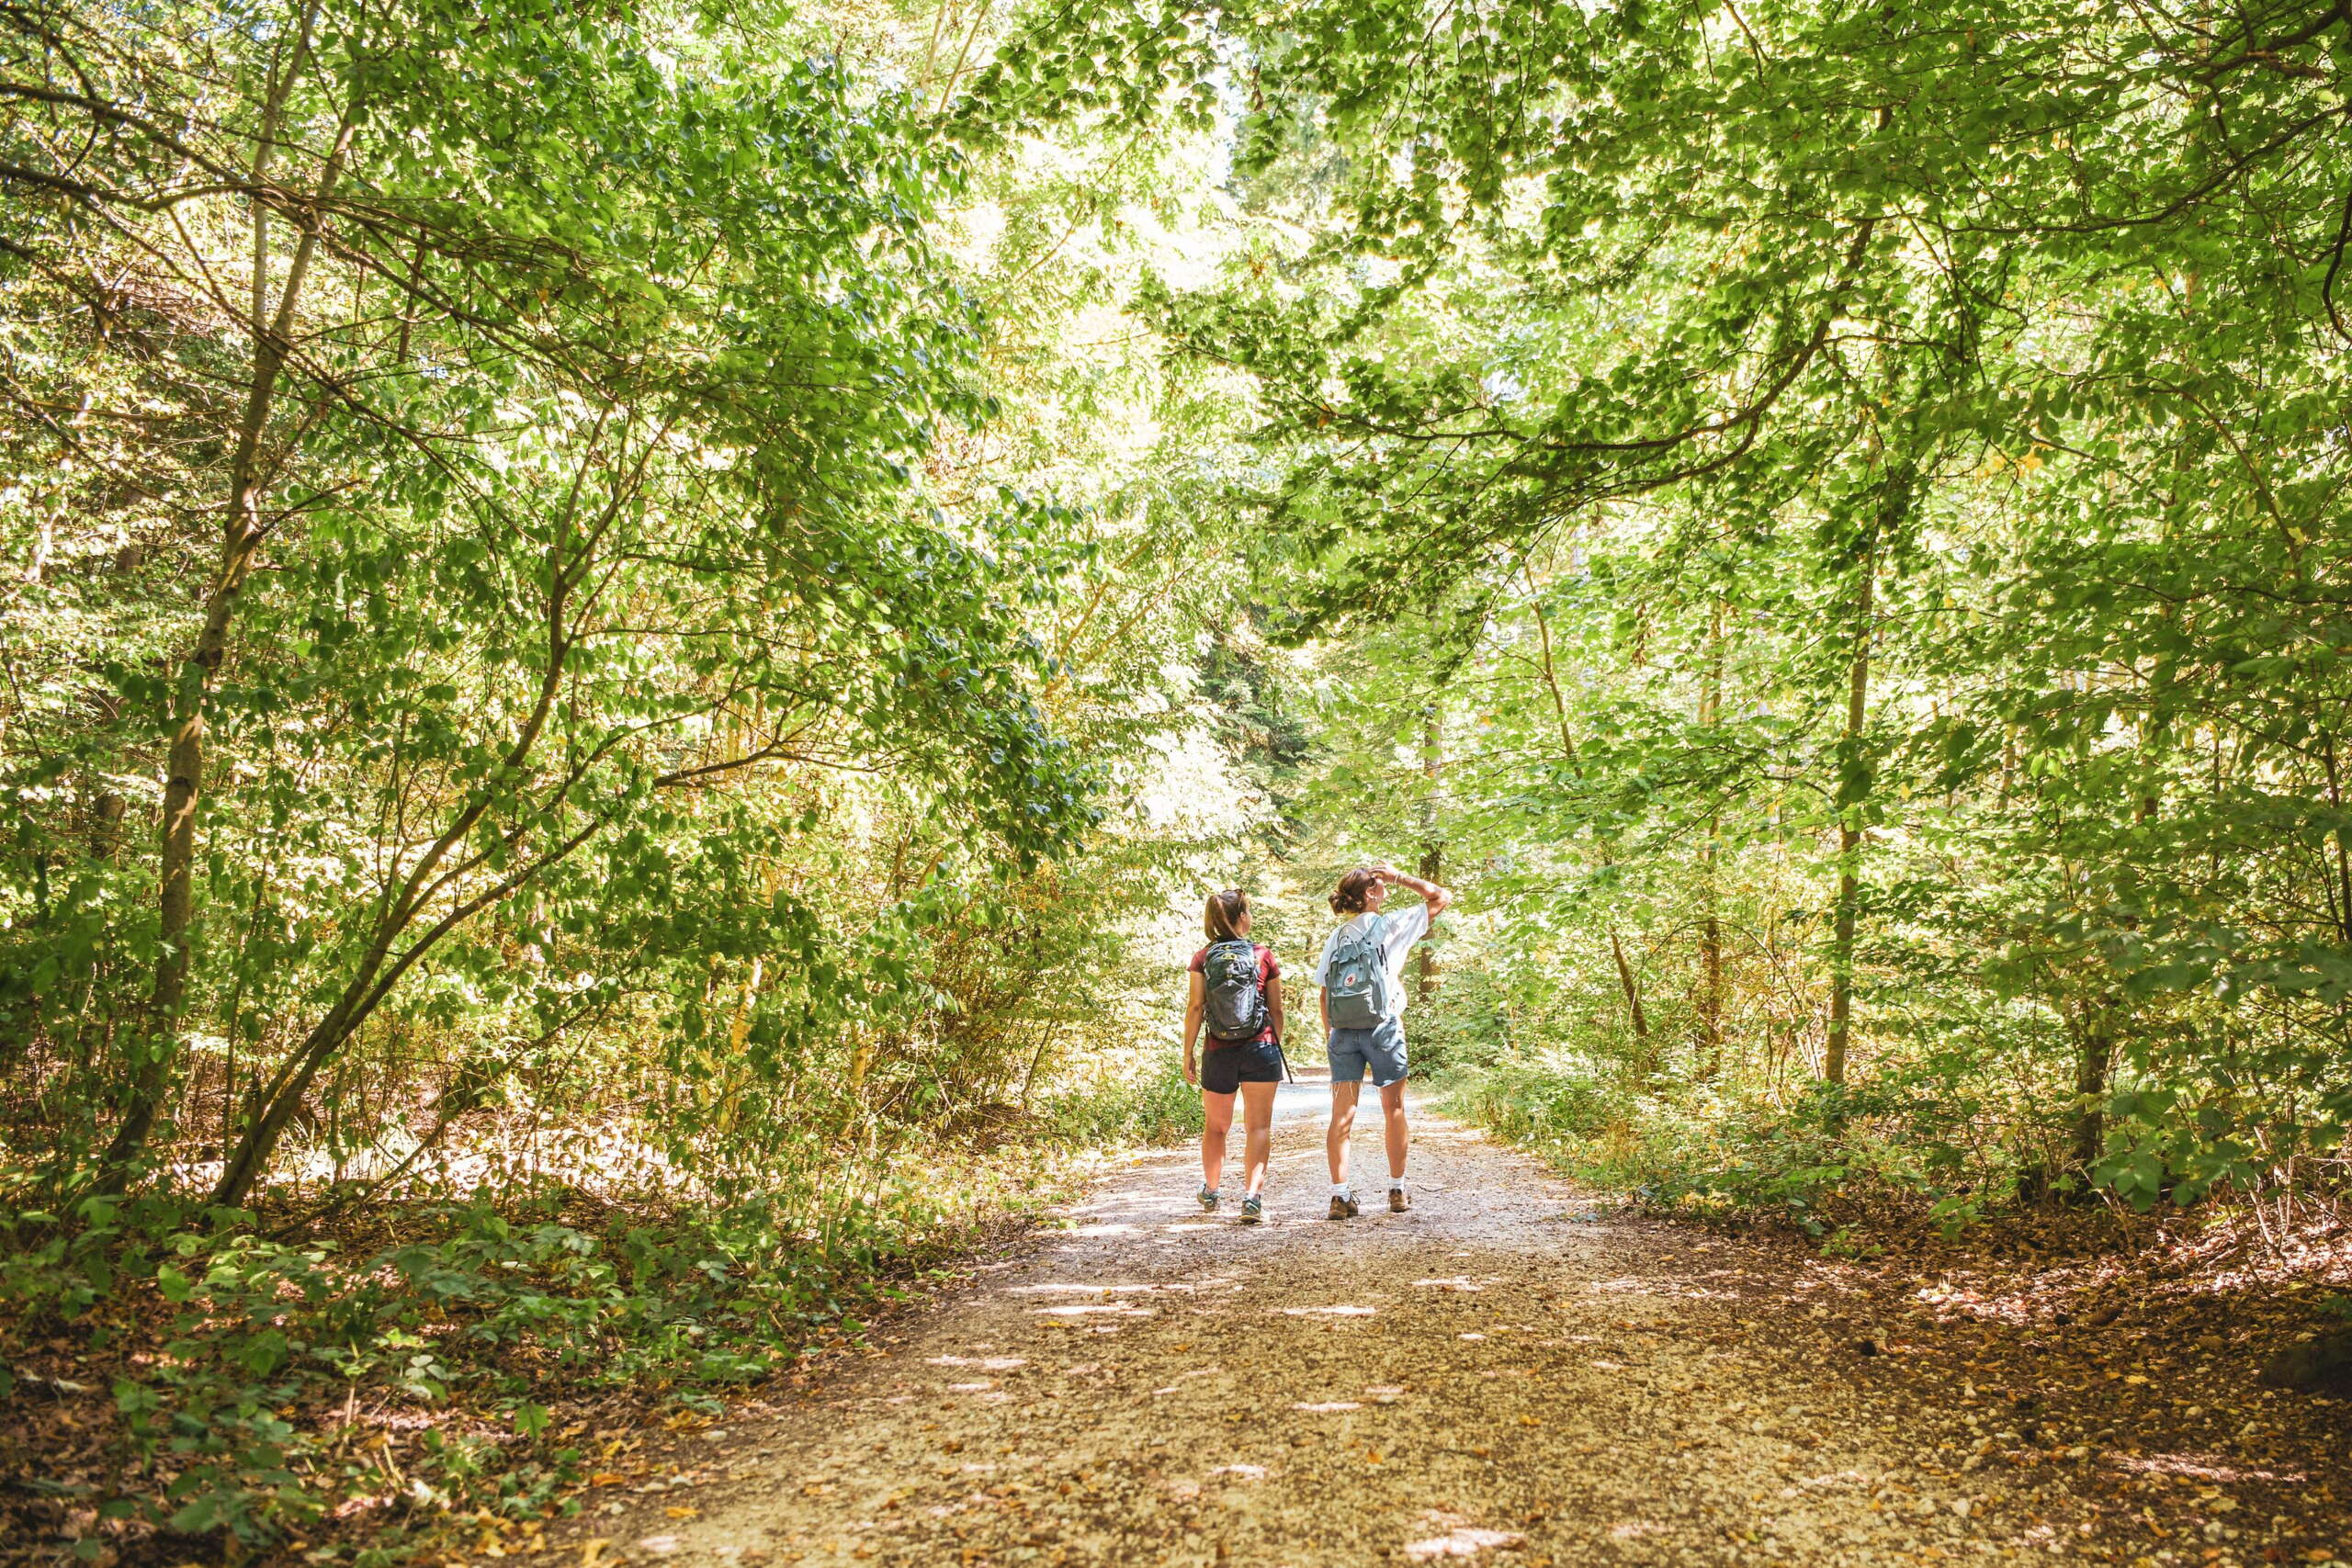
x=2091, y=1068
x=1849, y=825
x=379, y=970
x=1433, y=868
x=1633, y=1003
x=105, y=825
x=1551, y=675
x=431, y=878
x=183, y=788
x=2340, y=894
x=1432, y=850
x=1634, y=1012
x=242, y=537
x=1710, y=926
x=280, y=1099
x=279, y=1102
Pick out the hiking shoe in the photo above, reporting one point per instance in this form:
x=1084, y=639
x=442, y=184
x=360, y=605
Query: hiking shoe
x=1208, y=1198
x=1253, y=1209
x=1343, y=1208
x=1399, y=1201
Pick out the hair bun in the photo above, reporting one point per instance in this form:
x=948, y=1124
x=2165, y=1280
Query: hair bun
x=1347, y=898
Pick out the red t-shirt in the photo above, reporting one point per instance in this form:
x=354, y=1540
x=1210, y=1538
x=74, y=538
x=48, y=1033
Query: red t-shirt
x=1268, y=972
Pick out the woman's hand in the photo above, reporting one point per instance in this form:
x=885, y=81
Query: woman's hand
x=1192, y=1070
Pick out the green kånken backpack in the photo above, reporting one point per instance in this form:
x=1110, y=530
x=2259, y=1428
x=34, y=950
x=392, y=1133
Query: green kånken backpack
x=1358, y=992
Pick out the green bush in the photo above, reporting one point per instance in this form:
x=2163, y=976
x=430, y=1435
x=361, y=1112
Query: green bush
x=1153, y=1106
x=1459, y=1027
x=1800, y=1158
x=484, y=1313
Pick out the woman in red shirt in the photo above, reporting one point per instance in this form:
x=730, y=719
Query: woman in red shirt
x=1236, y=993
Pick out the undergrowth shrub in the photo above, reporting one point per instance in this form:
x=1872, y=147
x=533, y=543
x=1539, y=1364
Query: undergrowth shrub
x=1151, y=1106
x=1804, y=1159
x=238, y=1360
x=1461, y=1026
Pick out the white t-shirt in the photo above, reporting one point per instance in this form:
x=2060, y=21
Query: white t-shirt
x=1404, y=928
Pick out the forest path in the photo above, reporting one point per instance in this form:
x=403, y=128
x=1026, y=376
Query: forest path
x=1504, y=1374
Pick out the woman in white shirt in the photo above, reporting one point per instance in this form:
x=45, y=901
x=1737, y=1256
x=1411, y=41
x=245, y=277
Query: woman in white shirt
x=1360, y=981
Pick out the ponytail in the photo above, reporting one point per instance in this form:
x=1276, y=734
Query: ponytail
x=1224, y=912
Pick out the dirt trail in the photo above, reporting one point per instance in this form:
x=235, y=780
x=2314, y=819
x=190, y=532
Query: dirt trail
x=1504, y=1374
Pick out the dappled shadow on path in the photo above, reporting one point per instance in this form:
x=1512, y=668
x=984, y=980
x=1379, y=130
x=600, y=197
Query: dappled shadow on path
x=1504, y=1372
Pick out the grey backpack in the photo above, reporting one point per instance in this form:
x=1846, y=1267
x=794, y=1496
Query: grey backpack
x=1236, y=1000
x=1358, y=992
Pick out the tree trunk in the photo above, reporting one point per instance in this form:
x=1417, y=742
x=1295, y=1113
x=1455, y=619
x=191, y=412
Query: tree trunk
x=381, y=968
x=1432, y=849
x=2091, y=1069
x=1710, y=928
x=281, y=1099
x=1639, y=1020
x=183, y=771
x=105, y=825
x=242, y=537
x=1853, y=792
x=1633, y=1003
x=2340, y=892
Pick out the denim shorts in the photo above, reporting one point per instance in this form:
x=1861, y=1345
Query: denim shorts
x=1380, y=1049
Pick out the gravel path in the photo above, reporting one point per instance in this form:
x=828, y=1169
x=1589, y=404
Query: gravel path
x=1506, y=1374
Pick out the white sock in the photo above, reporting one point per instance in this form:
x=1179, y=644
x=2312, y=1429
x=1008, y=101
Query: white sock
x=1395, y=1184
x=1340, y=1189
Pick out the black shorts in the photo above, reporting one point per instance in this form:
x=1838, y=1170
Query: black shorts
x=1225, y=1068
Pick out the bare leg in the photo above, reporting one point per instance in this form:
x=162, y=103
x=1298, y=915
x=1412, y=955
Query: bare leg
x=1392, y=1116
x=1219, y=1110
x=1257, y=1132
x=1343, y=1126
